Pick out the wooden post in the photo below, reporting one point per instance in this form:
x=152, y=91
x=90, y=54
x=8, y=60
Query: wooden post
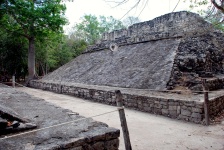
x=13, y=81
x=124, y=125
x=206, y=102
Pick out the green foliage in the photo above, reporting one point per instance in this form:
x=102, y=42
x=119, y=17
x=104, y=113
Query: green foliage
x=13, y=54
x=213, y=13
x=91, y=28
x=108, y=24
x=56, y=50
x=34, y=20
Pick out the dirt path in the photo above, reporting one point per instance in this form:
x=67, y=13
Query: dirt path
x=147, y=131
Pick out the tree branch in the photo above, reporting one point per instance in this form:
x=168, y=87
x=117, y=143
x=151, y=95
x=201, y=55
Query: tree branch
x=220, y=7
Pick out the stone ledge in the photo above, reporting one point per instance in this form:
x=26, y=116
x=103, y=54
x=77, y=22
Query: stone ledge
x=81, y=134
x=161, y=105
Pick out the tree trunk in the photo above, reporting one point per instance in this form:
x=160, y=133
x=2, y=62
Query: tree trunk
x=31, y=58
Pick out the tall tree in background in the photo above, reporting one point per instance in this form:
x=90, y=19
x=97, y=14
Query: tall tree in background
x=91, y=28
x=13, y=55
x=214, y=12
x=32, y=19
x=108, y=24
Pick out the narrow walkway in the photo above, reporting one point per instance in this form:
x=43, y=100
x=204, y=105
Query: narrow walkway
x=147, y=131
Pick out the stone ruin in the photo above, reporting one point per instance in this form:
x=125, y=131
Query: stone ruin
x=171, y=52
x=176, y=49
x=20, y=112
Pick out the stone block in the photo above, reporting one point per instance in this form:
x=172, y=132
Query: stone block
x=112, y=144
x=158, y=106
x=151, y=105
x=165, y=106
x=98, y=146
x=197, y=110
x=182, y=117
x=196, y=120
x=184, y=107
x=147, y=109
x=173, y=113
x=77, y=148
x=196, y=115
x=185, y=112
x=157, y=111
x=190, y=103
x=112, y=135
x=173, y=108
x=145, y=104
x=165, y=111
x=156, y=102
x=164, y=103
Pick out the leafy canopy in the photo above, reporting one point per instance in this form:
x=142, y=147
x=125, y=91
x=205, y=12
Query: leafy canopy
x=33, y=17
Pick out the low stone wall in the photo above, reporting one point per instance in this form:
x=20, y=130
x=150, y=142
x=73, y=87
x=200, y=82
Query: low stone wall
x=215, y=84
x=179, y=109
x=216, y=106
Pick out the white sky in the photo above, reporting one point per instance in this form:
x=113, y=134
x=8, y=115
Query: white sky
x=154, y=8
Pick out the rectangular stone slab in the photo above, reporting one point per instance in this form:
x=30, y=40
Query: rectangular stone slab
x=83, y=134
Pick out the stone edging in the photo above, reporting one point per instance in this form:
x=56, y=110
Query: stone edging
x=191, y=111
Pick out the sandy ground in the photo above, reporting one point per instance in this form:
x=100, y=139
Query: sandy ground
x=147, y=131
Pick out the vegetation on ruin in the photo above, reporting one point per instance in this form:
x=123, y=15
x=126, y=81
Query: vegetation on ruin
x=32, y=41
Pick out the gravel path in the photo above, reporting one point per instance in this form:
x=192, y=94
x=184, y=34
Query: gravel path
x=147, y=131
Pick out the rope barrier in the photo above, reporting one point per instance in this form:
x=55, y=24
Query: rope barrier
x=53, y=126
x=65, y=123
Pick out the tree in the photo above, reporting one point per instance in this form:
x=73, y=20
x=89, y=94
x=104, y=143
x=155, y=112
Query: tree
x=91, y=28
x=57, y=50
x=108, y=24
x=214, y=12
x=88, y=29
x=32, y=19
x=13, y=56
x=130, y=21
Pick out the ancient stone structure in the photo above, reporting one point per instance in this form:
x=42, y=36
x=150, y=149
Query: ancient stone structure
x=82, y=134
x=173, y=51
x=177, y=106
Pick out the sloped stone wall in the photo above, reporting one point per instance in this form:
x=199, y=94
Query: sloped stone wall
x=170, y=51
x=143, y=65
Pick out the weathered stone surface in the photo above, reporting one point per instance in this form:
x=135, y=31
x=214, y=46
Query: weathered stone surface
x=185, y=112
x=196, y=115
x=130, y=66
x=77, y=135
x=197, y=110
x=149, y=103
x=151, y=55
x=167, y=52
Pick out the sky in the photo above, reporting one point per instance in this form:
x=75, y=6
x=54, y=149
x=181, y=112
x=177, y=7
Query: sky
x=145, y=11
